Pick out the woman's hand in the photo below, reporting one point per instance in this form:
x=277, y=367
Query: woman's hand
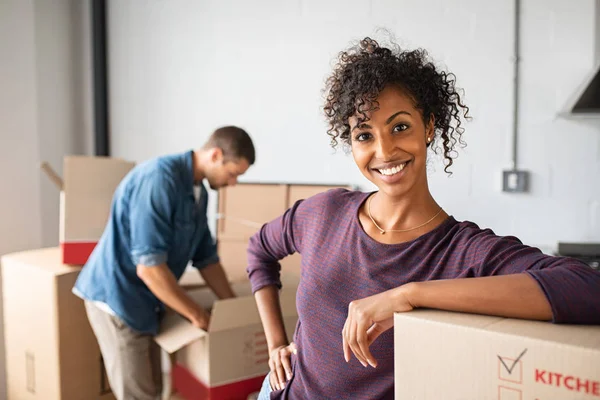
x=280, y=365
x=370, y=317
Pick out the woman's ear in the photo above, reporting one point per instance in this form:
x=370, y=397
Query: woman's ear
x=430, y=129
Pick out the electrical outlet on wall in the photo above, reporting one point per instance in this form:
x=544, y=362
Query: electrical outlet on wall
x=515, y=181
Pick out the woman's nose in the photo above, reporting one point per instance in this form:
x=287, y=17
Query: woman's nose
x=385, y=148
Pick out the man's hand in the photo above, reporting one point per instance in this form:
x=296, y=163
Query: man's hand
x=201, y=319
x=367, y=319
x=162, y=283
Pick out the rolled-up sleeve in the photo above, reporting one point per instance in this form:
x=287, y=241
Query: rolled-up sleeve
x=150, y=219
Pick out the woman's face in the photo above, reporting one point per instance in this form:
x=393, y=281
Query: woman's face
x=390, y=149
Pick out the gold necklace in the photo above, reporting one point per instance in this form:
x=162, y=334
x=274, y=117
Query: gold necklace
x=383, y=231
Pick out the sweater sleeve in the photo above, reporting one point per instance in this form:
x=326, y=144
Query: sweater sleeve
x=274, y=241
x=571, y=286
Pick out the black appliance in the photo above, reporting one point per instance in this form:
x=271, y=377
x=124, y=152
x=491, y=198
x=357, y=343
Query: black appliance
x=586, y=252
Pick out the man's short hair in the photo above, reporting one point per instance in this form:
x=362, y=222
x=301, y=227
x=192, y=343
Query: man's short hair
x=234, y=142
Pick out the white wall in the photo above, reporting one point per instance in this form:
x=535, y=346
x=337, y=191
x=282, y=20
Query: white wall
x=44, y=114
x=179, y=69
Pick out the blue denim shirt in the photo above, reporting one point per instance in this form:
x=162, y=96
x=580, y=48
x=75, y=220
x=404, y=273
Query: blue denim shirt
x=154, y=219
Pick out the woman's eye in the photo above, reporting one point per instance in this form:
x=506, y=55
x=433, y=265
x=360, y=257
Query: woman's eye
x=400, y=127
x=361, y=137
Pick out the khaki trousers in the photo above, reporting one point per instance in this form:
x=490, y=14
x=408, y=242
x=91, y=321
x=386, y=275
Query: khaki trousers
x=132, y=360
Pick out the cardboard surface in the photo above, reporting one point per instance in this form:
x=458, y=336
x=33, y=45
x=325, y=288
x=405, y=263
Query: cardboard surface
x=234, y=349
x=85, y=199
x=233, y=256
x=51, y=351
x=89, y=185
x=480, y=357
x=244, y=209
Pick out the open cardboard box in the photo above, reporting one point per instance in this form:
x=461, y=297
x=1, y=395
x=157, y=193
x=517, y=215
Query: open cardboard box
x=86, y=192
x=230, y=360
x=452, y=356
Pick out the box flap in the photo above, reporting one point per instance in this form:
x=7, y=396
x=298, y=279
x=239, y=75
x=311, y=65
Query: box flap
x=177, y=332
x=52, y=175
x=233, y=313
x=242, y=311
x=93, y=175
x=89, y=185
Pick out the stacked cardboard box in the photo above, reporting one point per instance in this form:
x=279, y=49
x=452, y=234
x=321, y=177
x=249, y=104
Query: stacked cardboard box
x=51, y=351
x=244, y=208
x=85, y=198
x=452, y=356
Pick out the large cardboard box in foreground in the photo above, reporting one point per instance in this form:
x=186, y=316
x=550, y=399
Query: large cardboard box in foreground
x=87, y=189
x=229, y=361
x=453, y=356
x=51, y=350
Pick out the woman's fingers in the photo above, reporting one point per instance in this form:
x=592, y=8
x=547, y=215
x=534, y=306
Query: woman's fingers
x=345, y=344
x=358, y=334
x=281, y=366
x=362, y=341
x=353, y=342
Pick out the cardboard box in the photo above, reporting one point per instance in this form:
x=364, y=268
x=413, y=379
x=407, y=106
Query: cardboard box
x=244, y=208
x=451, y=356
x=230, y=360
x=51, y=350
x=233, y=256
x=86, y=195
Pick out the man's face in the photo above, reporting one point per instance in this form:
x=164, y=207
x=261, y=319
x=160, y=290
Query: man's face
x=225, y=171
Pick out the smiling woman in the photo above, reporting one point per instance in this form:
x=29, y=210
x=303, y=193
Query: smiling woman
x=366, y=256
x=364, y=71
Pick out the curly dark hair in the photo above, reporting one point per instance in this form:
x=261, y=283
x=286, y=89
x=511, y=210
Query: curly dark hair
x=364, y=70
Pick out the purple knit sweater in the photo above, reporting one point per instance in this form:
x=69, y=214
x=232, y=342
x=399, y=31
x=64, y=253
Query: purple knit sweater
x=341, y=263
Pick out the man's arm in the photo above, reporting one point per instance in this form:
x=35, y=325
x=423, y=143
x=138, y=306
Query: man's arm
x=161, y=281
x=215, y=278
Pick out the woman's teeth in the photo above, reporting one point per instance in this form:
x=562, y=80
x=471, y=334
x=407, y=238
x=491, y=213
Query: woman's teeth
x=392, y=171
